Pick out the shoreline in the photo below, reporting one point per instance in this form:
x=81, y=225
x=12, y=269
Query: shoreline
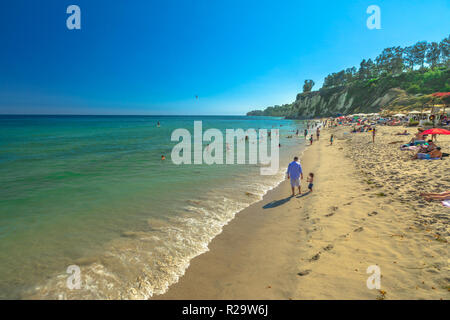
x=168, y=268
x=320, y=245
x=246, y=232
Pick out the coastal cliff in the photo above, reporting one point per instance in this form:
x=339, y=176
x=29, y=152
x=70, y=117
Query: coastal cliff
x=405, y=91
x=342, y=100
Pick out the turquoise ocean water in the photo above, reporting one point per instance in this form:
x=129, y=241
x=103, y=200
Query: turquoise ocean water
x=92, y=191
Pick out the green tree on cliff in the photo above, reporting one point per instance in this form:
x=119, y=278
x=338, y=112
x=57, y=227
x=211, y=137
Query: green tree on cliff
x=419, y=52
x=444, y=47
x=308, y=85
x=433, y=54
x=390, y=60
x=408, y=58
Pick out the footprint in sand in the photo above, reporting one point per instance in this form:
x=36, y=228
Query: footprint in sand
x=328, y=247
x=315, y=257
x=333, y=211
x=304, y=273
x=358, y=229
x=373, y=213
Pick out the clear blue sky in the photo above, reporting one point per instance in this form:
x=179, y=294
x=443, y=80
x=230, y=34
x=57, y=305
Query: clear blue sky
x=154, y=57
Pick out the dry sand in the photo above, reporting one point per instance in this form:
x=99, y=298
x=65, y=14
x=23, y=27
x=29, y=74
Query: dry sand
x=365, y=210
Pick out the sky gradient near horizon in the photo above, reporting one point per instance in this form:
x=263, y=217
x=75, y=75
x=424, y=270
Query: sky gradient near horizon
x=154, y=57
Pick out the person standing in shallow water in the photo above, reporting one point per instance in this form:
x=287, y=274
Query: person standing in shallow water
x=295, y=173
x=306, y=134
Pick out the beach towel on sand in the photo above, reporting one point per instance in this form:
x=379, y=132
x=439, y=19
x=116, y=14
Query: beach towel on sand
x=446, y=203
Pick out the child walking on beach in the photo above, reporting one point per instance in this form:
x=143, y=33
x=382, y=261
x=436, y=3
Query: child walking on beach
x=311, y=181
x=331, y=140
x=311, y=140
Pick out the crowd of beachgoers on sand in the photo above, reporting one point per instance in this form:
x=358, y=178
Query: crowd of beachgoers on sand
x=422, y=144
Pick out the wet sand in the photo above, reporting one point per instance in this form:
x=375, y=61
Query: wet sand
x=365, y=210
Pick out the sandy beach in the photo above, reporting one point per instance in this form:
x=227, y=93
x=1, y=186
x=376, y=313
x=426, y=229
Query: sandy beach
x=365, y=210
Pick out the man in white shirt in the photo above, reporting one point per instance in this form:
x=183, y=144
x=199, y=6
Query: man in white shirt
x=295, y=173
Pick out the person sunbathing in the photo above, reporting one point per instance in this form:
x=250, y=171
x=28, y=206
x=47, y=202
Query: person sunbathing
x=431, y=146
x=418, y=136
x=404, y=133
x=434, y=154
x=428, y=147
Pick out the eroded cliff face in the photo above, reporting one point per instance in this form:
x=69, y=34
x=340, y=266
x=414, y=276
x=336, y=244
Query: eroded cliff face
x=342, y=100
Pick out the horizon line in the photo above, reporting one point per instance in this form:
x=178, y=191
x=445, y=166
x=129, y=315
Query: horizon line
x=119, y=115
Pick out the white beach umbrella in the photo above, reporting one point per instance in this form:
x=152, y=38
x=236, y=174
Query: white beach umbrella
x=399, y=115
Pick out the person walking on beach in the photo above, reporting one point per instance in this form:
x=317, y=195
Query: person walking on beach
x=318, y=133
x=331, y=140
x=311, y=139
x=374, y=131
x=295, y=173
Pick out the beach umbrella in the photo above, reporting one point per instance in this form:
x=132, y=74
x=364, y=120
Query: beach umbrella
x=442, y=95
x=436, y=131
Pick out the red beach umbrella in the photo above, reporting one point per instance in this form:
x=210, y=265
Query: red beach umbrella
x=441, y=94
x=436, y=131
